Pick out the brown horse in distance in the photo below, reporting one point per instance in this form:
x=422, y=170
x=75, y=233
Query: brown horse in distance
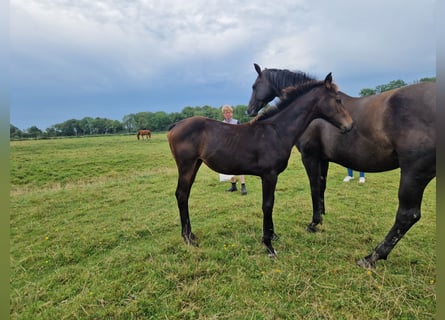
x=144, y=133
x=261, y=147
x=394, y=129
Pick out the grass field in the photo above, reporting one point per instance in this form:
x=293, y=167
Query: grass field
x=95, y=234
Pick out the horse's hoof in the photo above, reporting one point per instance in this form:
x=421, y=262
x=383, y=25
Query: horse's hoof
x=190, y=240
x=192, y=243
x=366, y=264
x=312, y=228
x=272, y=255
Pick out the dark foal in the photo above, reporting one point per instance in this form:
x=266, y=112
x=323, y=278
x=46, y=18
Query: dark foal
x=261, y=147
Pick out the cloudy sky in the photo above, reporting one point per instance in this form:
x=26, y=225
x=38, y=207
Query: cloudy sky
x=109, y=58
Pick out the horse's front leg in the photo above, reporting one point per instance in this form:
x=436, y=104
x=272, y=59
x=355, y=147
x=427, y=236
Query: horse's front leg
x=316, y=171
x=269, y=184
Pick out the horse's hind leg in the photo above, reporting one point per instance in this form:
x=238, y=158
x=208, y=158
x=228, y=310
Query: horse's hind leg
x=186, y=178
x=410, y=199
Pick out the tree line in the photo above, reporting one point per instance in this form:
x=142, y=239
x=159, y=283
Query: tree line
x=155, y=121
x=130, y=124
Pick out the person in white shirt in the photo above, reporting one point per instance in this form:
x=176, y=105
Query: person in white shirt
x=227, y=112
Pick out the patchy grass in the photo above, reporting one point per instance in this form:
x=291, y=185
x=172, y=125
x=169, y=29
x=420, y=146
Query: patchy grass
x=95, y=234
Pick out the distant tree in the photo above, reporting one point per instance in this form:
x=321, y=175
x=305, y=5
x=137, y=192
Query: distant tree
x=159, y=121
x=240, y=113
x=176, y=116
x=100, y=125
x=210, y=112
x=114, y=126
x=51, y=132
x=188, y=112
x=382, y=88
x=204, y=111
x=34, y=132
x=391, y=85
x=367, y=92
x=68, y=128
x=86, y=126
x=432, y=79
x=141, y=120
x=129, y=123
x=14, y=132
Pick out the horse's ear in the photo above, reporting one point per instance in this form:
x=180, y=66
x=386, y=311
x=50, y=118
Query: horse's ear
x=258, y=69
x=328, y=81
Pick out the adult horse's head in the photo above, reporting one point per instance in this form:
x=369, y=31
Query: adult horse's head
x=269, y=84
x=262, y=92
x=327, y=104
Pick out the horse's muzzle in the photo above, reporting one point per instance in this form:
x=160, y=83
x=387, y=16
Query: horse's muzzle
x=346, y=129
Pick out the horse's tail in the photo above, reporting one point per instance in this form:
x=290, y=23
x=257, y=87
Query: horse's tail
x=138, y=135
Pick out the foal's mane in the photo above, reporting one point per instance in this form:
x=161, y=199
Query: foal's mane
x=282, y=78
x=289, y=95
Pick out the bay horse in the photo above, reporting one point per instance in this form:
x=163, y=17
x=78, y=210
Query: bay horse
x=394, y=129
x=236, y=150
x=144, y=133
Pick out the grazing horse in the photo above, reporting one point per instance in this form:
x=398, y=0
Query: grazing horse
x=261, y=147
x=393, y=129
x=144, y=133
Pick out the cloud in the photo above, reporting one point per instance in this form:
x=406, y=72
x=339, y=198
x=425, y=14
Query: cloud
x=356, y=37
x=141, y=39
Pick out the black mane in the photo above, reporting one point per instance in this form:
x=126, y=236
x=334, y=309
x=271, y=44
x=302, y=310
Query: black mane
x=284, y=78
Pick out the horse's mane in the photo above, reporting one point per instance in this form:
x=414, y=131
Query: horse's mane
x=282, y=78
x=289, y=95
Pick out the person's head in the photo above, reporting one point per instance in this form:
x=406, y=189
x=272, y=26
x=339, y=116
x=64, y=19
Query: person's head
x=227, y=111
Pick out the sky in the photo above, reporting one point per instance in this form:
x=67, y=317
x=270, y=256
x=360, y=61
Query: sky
x=110, y=58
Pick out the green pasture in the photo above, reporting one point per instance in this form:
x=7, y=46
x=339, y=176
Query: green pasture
x=95, y=234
